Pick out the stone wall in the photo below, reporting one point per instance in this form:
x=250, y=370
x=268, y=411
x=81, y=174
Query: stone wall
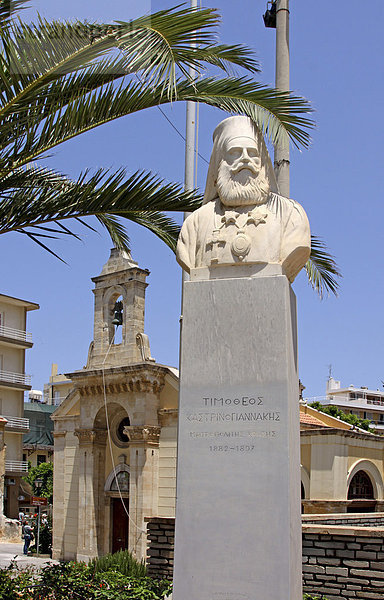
x=357, y=519
x=338, y=561
x=161, y=537
x=343, y=562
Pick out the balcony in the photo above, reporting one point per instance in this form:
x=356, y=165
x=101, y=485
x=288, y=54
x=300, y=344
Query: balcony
x=16, y=424
x=15, y=337
x=15, y=467
x=18, y=381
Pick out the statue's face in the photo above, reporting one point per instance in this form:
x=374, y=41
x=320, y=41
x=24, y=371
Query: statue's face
x=242, y=157
x=241, y=179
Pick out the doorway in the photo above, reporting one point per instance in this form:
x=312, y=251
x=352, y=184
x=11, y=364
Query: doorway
x=119, y=524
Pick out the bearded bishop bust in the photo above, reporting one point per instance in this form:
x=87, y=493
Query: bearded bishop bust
x=244, y=220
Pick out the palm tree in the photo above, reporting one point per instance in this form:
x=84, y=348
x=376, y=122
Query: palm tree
x=61, y=79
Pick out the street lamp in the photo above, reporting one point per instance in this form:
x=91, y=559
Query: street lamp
x=277, y=17
x=38, y=485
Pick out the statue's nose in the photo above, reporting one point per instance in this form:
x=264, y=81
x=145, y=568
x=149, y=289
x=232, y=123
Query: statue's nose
x=245, y=156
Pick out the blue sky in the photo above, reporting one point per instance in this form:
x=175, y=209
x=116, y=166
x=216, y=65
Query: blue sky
x=335, y=63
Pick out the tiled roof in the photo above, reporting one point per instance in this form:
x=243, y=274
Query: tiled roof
x=309, y=420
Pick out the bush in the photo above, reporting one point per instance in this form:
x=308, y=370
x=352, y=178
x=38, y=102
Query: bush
x=121, y=561
x=79, y=581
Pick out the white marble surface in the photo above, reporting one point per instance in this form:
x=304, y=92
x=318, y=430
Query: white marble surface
x=238, y=533
x=244, y=221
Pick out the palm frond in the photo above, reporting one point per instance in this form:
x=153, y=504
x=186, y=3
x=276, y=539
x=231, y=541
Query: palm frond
x=8, y=9
x=156, y=46
x=322, y=269
x=36, y=197
x=160, y=43
x=278, y=114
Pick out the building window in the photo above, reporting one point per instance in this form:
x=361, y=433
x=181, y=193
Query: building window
x=41, y=458
x=360, y=487
x=56, y=398
x=120, y=430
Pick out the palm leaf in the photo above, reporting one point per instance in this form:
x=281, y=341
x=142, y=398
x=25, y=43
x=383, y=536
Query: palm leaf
x=157, y=45
x=277, y=113
x=38, y=196
x=322, y=269
x=8, y=8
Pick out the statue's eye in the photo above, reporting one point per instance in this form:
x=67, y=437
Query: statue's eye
x=235, y=152
x=252, y=152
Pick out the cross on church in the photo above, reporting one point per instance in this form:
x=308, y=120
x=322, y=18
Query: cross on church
x=214, y=242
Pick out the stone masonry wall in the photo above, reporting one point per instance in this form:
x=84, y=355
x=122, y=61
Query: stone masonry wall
x=161, y=537
x=356, y=520
x=343, y=562
x=338, y=562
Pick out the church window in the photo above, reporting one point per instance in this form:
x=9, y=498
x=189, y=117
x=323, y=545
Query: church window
x=360, y=487
x=121, y=482
x=120, y=430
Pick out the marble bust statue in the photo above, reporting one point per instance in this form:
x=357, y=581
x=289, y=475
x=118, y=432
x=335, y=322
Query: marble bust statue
x=243, y=220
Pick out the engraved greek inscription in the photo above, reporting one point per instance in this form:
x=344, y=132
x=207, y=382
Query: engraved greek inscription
x=219, y=417
x=232, y=434
x=243, y=401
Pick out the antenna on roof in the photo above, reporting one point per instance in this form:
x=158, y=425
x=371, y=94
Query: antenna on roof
x=330, y=371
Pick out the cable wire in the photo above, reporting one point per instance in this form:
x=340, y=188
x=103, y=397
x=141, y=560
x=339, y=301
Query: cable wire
x=110, y=441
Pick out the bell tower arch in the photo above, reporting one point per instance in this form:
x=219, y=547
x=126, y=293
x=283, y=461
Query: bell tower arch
x=119, y=297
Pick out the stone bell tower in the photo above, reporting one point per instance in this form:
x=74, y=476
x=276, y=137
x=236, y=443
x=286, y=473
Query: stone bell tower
x=120, y=279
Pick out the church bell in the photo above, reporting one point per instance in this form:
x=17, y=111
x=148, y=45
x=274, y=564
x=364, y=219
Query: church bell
x=270, y=15
x=118, y=317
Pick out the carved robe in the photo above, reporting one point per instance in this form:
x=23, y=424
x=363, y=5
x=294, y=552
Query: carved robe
x=276, y=232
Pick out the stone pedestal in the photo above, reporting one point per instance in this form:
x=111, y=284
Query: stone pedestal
x=238, y=534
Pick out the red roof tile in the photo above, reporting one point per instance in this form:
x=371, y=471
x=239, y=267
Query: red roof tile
x=310, y=420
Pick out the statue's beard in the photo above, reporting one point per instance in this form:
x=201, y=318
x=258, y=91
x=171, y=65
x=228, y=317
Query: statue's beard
x=250, y=189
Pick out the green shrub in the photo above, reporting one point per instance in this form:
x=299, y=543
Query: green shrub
x=121, y=561
x=79, y=581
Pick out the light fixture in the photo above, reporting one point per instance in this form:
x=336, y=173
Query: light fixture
x=270, y=15
x=38, y=484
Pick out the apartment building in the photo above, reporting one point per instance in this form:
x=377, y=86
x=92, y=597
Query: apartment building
x=360, y=401
x=14, y=341
x=58, y=387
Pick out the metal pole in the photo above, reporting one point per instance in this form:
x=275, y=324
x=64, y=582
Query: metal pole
x=190, y=145
x=38, y=533
x=282, y=83
x=190, y=140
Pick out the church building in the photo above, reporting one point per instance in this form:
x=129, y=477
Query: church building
x=115, y=437
x=115, y=433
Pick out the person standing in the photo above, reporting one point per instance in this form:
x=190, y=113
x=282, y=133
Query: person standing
x=27, y=536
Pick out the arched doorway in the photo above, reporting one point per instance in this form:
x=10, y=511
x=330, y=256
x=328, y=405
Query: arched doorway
x=361, y=493
x=120, y=511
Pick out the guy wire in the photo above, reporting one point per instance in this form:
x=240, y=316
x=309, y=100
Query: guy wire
x=110, y=441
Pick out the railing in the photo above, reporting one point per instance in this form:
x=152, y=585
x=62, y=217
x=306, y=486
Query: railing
x=343, y=400
x=16, y=334
x=16, y=466
x=16, y=422
x=16, y=378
